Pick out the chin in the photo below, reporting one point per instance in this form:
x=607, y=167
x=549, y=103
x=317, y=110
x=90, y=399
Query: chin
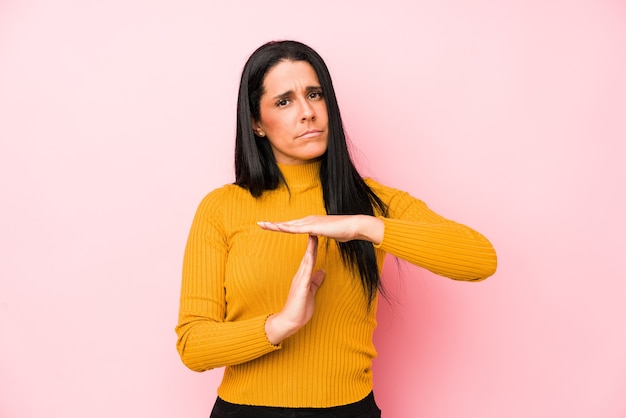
x=314, y=157
x=318, y=153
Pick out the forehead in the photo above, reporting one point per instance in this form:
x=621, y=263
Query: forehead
x=289, y=76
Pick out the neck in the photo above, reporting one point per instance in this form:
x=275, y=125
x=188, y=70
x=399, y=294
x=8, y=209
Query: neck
x=301, y=175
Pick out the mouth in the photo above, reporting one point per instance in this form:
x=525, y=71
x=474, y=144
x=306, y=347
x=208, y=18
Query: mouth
x=310, y=133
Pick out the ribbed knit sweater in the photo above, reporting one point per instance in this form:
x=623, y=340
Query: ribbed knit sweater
x=236, y=274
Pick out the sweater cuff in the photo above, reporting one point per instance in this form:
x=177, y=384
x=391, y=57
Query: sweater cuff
x=274, y=346
x=247, y=343
x=382, y=241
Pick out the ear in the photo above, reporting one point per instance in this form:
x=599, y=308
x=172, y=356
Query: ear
x=256, y=127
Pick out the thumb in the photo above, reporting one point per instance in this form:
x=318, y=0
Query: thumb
x=316, y=280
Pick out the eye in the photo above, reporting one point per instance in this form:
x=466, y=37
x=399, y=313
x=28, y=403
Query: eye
x=282, y=102
x=316, y=95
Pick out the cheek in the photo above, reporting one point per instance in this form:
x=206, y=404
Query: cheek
x=323, y=111
x=272, y=122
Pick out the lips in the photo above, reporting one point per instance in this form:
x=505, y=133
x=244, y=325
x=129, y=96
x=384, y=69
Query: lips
x=309, y=133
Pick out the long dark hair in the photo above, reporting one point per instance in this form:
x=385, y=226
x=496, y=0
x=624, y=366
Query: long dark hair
x=344, y=190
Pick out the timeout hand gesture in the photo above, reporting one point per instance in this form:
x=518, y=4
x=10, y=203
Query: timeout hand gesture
x=299, y=306
x=341, y=228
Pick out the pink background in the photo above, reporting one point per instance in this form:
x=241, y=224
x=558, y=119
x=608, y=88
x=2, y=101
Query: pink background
x=117, y=117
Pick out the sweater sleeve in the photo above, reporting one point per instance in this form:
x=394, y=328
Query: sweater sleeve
x=420, y=236
x=205, y=339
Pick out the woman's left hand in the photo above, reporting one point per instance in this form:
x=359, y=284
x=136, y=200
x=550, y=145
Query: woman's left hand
x=338, y=227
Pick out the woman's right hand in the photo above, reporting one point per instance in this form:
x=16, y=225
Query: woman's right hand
x=298, y=308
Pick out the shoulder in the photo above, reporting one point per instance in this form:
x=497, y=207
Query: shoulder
x=223, y=198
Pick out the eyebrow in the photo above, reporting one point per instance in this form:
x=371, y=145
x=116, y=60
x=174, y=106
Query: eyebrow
x=290, y=92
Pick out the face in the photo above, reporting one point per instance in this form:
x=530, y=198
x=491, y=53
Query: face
x=293, y=115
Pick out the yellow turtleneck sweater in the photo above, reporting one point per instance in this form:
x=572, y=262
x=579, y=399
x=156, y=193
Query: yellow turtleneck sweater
x=235, y=275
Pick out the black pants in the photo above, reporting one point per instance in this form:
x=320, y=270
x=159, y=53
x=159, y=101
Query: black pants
x=365, y=408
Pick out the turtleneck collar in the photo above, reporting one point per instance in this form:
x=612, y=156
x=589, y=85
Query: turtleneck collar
x=301, y=176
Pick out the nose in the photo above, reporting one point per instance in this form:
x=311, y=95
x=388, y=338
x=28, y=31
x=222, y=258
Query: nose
x=307, y=111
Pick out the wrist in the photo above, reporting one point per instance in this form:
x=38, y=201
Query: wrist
x=275, y=330
x=371, y=229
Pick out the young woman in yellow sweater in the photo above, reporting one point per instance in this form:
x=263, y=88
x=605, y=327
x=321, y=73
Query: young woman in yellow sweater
x=281, y=272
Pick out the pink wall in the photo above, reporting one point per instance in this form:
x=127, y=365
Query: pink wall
x=117, y=117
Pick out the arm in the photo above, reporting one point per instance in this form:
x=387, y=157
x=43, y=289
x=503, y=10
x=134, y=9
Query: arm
x=422, y=237
x=205, y=340
x=410, y=231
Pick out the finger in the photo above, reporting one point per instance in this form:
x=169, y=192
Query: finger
x=311, y=248
x=308, y=259
x=270, y=226
x=276, y=226
x=295, y=226
x=298, y=222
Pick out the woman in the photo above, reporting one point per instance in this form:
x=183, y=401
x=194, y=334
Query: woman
x=282, y=269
